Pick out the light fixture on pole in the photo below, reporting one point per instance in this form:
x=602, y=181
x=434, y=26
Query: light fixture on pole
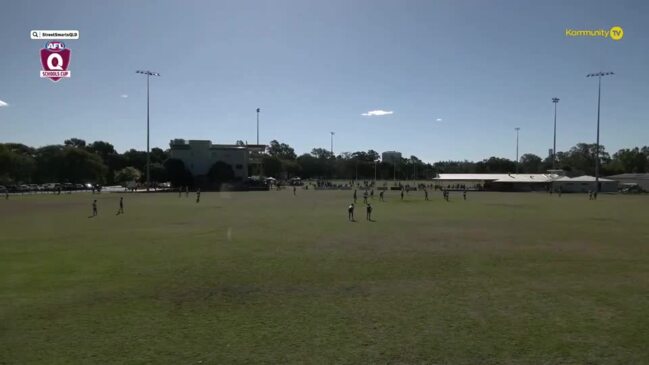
x=332, y=143
x=148, y=153
x=554, y=145
x=517, y=129
x=599, y=94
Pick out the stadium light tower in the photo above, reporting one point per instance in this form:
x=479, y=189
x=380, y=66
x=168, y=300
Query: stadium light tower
x=258, y=110
x=517, y=129
x=332, y=142
x=148, y=153
x=599, y=95
x=554, y=145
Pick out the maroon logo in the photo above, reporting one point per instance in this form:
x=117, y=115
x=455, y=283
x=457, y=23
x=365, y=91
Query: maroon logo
x=55, y=59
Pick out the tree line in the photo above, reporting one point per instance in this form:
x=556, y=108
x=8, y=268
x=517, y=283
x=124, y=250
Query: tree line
x=578, y=160
x=76, y=161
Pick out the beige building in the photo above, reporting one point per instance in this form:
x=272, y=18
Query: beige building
x=641, y=180
x=584, y=184
x=200, y=155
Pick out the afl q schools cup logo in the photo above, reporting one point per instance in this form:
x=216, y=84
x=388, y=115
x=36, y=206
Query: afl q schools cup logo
x=55, y=59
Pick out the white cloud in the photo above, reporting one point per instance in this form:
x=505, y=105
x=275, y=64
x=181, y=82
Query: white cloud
x=3, y=104
x=124, y=96
x=438, y=119
x=377, y=113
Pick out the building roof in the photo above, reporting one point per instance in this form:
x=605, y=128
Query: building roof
x=179, y=143
x=511, y=178
x=587, y=178
x=584, y=178
x=526, y=178
x=227, y=147
x=630, y=176
x=470, y=177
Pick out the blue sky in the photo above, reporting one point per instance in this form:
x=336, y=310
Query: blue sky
x=482, y=67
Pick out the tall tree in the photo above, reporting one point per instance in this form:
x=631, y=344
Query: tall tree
x=321, y=153
x=531, y=163
x=580, y=159
x=49, y=163
x=632, y=160
x=158, y=155
x=271, y=165
x=177, y=173
x=311, y=166
x=496, y=165
x=158, y=173
x=16, y=166
x=75, y=142
x=127, y=174
x=281, y=151
x=79, y=165
x=220, y=172
x=136, y=159
x=103, y=149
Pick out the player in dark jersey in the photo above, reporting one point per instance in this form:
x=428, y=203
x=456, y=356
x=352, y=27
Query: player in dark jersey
x=350, y=212
x=121, y=206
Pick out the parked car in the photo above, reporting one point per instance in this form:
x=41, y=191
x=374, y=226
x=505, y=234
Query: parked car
x=3, y=189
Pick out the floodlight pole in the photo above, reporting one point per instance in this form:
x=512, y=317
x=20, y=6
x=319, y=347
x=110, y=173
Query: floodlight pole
x=599, y=94
x=148, y=152
x=258, y=110
x=332, y=143
x=554, y=145
x=517, y=129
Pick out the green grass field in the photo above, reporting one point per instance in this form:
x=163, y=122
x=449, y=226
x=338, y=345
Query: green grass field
x=266, y=277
